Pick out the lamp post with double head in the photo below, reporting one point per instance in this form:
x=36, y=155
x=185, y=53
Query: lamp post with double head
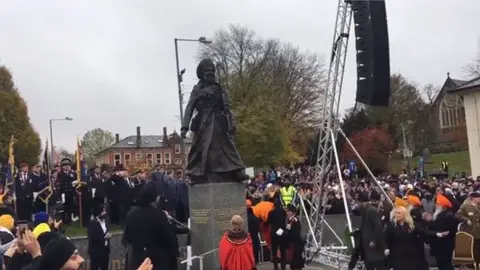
x=51, y=135
x=202, y=40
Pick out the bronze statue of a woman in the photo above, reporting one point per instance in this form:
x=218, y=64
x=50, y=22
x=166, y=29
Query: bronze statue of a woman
x=213, y=148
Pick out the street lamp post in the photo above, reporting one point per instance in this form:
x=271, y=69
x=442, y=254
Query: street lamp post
x=180, y=73
x=52, y=154
x=202, y=40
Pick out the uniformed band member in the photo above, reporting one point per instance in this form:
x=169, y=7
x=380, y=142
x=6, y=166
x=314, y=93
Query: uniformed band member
x=469, y=213
x=137, y=180
x=39, y=182
x=294, y=238
x=99, y=186
x=84, y=199
x=66, y=177
x=24, y=188
x=119, y=195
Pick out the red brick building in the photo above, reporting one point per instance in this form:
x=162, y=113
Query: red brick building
x=164, y=151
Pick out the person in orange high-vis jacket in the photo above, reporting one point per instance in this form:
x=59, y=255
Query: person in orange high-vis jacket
x=261, y=211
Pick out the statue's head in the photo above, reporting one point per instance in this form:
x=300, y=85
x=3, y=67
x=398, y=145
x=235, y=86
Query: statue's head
x=206, y=70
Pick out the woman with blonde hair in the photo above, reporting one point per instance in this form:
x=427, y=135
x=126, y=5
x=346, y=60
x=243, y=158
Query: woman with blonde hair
x=235, y=247
x=405, y=241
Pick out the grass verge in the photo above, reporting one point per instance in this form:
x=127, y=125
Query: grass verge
x=457, y=162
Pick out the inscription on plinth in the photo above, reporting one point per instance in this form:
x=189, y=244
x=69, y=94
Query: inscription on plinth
x=212, y=206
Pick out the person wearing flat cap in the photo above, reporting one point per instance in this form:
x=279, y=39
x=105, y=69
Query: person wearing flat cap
x=66, y=177
x=469, y=214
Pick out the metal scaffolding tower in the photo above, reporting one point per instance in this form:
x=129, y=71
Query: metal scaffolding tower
x=315, y=251
x=334, y=255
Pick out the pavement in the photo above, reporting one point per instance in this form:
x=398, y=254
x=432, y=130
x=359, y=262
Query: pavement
x=269, y=266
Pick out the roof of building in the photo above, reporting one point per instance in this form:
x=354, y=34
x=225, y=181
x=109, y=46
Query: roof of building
x=146, y=141
x=468, y=85
x=448, y=86
x=458, y=82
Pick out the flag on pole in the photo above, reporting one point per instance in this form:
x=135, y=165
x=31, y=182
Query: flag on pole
x=11, y=164
x=81, y=178
x=46, y=190
x=81, y=164
x=46, y=161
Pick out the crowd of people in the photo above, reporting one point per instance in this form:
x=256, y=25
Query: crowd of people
x=400, y=214
x=35, y=209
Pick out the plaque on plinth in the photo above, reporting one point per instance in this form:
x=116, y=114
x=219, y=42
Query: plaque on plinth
x=212, y=205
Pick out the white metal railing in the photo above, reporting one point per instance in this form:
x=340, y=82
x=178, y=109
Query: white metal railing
x=189, y=260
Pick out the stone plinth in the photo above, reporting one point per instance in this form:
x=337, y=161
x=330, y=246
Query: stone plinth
x=212, y=205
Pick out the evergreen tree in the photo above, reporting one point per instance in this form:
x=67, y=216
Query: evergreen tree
x=14, y=120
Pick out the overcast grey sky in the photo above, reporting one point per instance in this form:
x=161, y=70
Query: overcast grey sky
x=111, y=64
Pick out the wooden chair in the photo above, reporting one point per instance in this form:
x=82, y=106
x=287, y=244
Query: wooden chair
x=463, y=253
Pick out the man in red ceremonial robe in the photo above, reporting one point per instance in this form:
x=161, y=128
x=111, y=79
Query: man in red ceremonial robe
x=235, y=248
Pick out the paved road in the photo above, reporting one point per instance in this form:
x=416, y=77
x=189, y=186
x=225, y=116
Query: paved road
x=269, y=266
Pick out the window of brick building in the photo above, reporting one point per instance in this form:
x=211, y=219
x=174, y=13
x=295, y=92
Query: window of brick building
x=117, y=159
x=178, y=161
x=126, y=157
x=150, y=159
x=138, y=156
x=168, y=159
x=158, y=158
x=178, y=149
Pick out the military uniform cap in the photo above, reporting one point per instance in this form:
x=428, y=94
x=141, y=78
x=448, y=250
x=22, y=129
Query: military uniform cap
x=66, y=162
x=475, y=194
x=136, y=171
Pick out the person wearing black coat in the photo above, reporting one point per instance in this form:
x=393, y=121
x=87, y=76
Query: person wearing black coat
x=120, y=195
x=39, y=182
x=254, y=229
x=24, y=188
x=66, y=177
x=373, y=242
x=98, y=186
x=443, y=220
x=276, y=220
x=99, y=240
x=405, y=240
x=148, y=233
x=293, y=236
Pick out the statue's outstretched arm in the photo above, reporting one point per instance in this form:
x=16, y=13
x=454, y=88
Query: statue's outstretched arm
x=190, y=108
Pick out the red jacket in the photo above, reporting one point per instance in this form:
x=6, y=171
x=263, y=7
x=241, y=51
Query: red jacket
x=236, y=251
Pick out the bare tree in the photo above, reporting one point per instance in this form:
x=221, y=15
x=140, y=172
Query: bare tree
x=473, y=68
x=286, y=81
x=430, y=92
